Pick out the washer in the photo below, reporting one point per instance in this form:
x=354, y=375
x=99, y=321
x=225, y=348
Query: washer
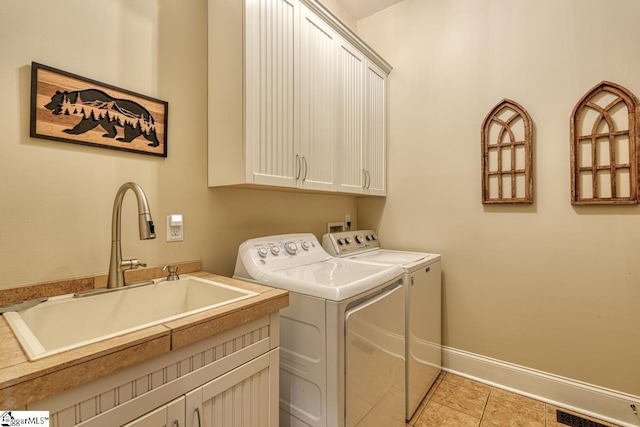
x=422, y=281
x=341, y=337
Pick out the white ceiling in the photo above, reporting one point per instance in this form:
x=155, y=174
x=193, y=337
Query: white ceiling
x=362, y=8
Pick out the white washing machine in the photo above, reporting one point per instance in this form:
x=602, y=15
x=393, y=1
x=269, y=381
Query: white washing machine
x=422, y=281
x=342, y=361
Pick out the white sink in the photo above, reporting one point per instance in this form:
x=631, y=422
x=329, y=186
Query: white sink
x=64, y=323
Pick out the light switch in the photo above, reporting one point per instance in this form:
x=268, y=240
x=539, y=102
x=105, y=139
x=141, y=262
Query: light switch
x=175, y=226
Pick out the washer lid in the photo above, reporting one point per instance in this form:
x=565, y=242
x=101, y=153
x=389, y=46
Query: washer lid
x=335, y=279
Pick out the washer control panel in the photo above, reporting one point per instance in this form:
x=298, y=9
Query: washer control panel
x=272, y=253
x=274, y=248
x=350, y=242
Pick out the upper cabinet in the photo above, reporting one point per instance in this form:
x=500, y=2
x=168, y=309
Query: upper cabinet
x=316, y=99
x=295, y=100
x=374, y=141
x=360, y=145
x=350, y=108
x=268, y=95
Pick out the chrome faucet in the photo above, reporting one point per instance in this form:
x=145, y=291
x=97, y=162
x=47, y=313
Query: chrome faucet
x=117, y=266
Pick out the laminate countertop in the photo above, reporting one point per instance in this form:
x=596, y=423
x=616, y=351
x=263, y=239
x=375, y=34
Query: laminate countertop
x=23, y=381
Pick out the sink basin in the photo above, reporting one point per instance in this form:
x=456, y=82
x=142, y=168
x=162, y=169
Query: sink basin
x=64, y=323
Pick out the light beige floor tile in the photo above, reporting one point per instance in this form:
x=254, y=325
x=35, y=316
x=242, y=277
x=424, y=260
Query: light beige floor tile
x=467, y=400
x=475, y=385
x=509, y=414
x=459, y=402
x=517, y=398
x=437, y=415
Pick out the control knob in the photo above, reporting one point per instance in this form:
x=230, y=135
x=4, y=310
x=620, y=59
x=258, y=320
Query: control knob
x=359, y=238
x=275, y=250
x=291, y=248
x=263, y=252
x=305, y=245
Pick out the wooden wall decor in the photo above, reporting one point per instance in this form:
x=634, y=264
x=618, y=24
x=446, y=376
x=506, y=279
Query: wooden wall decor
x=604, y=167
x=70, y=108
x=507, y=136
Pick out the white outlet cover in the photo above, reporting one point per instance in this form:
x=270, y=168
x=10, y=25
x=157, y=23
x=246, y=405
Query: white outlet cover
x=175, y=228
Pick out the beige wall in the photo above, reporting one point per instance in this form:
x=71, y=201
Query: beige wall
x=336, y=8
x=56, y=198
x=549, y=286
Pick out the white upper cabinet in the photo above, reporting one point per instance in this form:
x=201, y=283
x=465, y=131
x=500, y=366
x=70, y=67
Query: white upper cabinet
x=374, y=144
x=287, y=107
x=269, y=92
x=361, y=141
x=350, y=107
x=317, y=98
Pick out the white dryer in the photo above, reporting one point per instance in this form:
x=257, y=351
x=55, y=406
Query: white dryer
x=341, y=337
x=422, y=281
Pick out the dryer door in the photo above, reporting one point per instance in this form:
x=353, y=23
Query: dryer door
x=375, y=361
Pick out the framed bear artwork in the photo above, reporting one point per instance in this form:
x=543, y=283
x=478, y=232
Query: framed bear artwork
x=66, y=107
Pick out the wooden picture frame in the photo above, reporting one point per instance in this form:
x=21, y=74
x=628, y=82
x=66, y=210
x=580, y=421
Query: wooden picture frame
x=507, y=155
x=604, y=147
x=70, y=108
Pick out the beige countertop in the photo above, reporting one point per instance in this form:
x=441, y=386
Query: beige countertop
x=23, y=382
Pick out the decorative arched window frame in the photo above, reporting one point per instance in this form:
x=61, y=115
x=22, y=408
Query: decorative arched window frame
x=602, y=156
x=511, y=145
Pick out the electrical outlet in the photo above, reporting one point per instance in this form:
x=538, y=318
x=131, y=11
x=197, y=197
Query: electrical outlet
x=175, y=228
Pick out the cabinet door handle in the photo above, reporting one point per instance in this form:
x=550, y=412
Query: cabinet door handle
x=198, y=415
x=176, y=423
x=304, y=161
x=364, y=176
x=299, y=166
x=368, y=180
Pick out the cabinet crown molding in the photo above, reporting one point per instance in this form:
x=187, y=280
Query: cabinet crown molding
x=349, y=35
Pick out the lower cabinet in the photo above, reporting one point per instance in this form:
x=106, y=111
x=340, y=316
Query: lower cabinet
x=169, y=415
x=226, y=380
x=240, y=398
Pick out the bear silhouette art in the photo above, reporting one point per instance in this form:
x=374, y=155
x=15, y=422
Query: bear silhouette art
x=98, y=108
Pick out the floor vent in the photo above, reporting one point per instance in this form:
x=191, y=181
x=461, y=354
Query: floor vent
x=576, y=421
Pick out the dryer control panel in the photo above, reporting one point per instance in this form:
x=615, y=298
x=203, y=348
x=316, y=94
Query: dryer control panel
x=350, y=242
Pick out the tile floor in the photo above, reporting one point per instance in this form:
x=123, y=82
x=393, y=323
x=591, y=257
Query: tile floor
x=455, y=401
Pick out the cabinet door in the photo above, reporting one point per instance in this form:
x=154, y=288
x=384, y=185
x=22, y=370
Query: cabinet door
x=246, y=396
x=350, y=111
x=170, y=415
x=316, y=95
x=375, y=130
x=269, y=92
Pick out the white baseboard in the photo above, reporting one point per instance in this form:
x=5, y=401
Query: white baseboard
x=588, y=399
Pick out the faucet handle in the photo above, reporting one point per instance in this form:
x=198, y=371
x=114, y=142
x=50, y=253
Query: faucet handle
x=131, y=264
x=173, y=271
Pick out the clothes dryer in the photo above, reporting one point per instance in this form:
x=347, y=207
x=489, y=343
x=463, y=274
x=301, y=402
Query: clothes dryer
x=422, y=283
x=341, y=337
